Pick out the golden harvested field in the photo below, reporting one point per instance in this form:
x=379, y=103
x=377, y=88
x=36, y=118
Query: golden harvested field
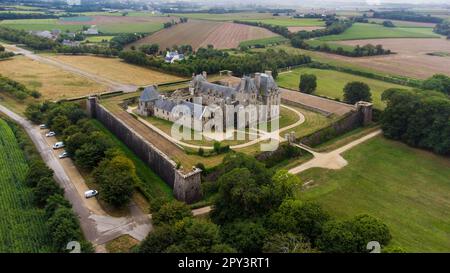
x=411, y=58
x=199, y=33
x=52, y=82
x=116, y=70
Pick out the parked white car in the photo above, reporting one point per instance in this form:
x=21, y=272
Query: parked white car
x=58, y=145
x=43, y=126
x=90, y=193
x=64, y=155
x=50, y=134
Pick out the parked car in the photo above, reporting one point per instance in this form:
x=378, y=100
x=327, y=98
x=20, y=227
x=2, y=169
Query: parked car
x=90, y=193
x=58, y=145
x=64, y=155
x=50, y=134
x=43, y=126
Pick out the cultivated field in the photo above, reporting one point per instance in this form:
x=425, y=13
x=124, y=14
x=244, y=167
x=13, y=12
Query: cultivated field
x=51, y=81
x=202, y=33
x=412, y=57
x=22, y=226
x=399, y=23
x=226, y=16
x=116, y=70
x=104, y=23
x=406, y=188
x=331, y=83
x=374, y=31
x=290, y=22
x=308, y=28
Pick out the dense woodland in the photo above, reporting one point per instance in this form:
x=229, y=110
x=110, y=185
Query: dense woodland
x=255, y=211
x=443, y=29
x=23, y=37
x=420, y=118
x=358, y=51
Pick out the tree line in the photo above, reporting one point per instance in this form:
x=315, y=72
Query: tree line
x=16, y=89
x=213, y=61
x=62, y=224
x=443, y=29
x=358, y=51
x=5, y=54
x=255, y=210
x=17, y=16
x=91, y=149
x=404, y=15
x=23, y=37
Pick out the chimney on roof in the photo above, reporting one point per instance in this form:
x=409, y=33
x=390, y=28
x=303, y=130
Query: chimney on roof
x=204, y=74
x=257, y=79
x=268, y=72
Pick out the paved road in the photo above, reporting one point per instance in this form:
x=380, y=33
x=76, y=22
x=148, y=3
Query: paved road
x=332, y=160
x=112, y=85
x=97, y=228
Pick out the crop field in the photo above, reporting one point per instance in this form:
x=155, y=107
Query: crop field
x=22, y=227
x=202, y=33
x=227, y=16
x=52, y=82
x=115, y=69
x=307, y=28
x=290, y=22
x=411, y=59
x=406, y=188
x=331, y=83
x=104, y=23
x=361, y=31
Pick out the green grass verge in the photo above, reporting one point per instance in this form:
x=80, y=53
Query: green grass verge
x=406, y=188
x=22, y=226
x=374, y=31
x=152, y=185
x=330, y=83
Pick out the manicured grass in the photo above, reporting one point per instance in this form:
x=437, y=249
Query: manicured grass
x=373, y=31
x=290, y=22
x=404, y=187
x=152, y=185
x=331, y=83
x=98, y=39
x=22, y=226
x=264, y=41
x=122, y=244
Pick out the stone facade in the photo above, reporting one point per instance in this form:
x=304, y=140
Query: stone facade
x=203, y=100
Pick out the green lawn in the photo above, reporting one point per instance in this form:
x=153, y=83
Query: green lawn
x=264, y=41
x=152, y=185
x=406, y=188
x=22, y=226
x=289, y=22
x=331, y=83
x=98, y=39
x=374, y=31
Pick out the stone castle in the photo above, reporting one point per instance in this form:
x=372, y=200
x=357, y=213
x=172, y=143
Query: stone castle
x=203, y=100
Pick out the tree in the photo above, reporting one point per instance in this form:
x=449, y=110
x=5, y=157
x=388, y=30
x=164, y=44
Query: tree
x=117, y=178
x=357, y=91
x=63, y=227
x=308, y=83
x=388, y=24
x=352, y=235
x=171, y=212
x=45, y=188
x=287, y=243
x=38, y=170
x=245, y=235
x=438, y=82
x=55, y=202
x=294, y=216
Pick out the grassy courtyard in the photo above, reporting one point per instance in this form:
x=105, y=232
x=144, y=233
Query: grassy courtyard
x=405, y=187
x=331, y=83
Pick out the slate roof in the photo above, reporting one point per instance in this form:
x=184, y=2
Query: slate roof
x=267, y=83
x=248, y=86
x=217, y=88
x=149, y=94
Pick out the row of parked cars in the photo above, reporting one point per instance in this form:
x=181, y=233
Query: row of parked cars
x=64, y=154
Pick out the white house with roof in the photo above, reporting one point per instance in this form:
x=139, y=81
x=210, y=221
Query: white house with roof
x=173, y=56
